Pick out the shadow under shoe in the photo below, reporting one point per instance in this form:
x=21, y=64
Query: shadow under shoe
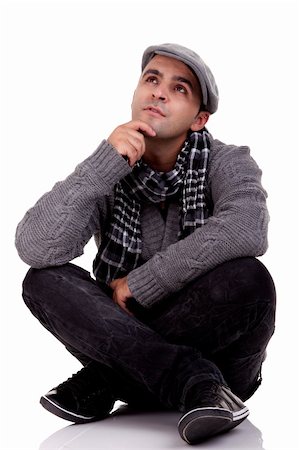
x=82, y=398
x=217, y=411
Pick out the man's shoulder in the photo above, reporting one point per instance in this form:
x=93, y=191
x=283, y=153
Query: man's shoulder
x=219, y=146
x=231, y=161
x=222, y=151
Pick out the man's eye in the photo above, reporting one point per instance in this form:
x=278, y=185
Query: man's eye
x=181, y=89
x=152, y=80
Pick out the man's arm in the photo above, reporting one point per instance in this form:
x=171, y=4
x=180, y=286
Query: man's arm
x=57, y=228
x=60, y=224
x=237, y=228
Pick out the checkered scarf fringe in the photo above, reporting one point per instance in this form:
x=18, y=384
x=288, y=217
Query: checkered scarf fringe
x=121, y=248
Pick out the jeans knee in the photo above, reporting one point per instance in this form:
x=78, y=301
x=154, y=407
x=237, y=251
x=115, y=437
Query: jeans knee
x=30, y=287
x=265, y=282
x=36, y=284
x=263, y=291
x=47, y=276
x=37, y=292
x=256, y=281
x=33, y=279
x=29, y=281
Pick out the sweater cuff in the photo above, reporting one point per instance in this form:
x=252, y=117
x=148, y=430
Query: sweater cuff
x=144, y=287
x=107, y=163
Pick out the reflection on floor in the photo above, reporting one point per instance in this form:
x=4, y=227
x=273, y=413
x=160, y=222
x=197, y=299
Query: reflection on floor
x=129, y=429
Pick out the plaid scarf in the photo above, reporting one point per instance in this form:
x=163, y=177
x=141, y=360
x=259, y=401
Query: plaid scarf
x=121, y=248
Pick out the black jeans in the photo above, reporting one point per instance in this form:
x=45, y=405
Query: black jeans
x=216, y=328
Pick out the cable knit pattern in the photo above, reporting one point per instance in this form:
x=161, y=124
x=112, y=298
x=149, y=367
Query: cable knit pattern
x=57, y=228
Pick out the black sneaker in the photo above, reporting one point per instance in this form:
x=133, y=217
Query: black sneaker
x=218, y=411
x=84, y=397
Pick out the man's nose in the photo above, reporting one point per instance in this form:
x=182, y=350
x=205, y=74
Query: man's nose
x=159, y=93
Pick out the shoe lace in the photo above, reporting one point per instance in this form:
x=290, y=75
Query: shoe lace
x=203, y=394
x=209, y=393
x=86, y=381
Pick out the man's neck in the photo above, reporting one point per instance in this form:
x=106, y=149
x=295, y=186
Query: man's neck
x=161, y=155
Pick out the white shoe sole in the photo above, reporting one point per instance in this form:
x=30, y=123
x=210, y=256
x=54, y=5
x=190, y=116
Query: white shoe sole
x=56, y=409
x=201, y=423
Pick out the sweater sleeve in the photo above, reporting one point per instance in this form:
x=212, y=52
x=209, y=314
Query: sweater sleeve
x=63, y=220
x=237, y=228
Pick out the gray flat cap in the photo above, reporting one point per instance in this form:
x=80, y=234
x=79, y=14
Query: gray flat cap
x=193, y=60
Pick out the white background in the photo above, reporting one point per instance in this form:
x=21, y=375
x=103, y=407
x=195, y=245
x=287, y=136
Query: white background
x=68, y=71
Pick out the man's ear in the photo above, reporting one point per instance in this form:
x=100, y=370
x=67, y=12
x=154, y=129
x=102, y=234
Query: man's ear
x=200, y=121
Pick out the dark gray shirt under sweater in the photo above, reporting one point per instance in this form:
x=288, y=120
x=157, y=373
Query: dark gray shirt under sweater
x=63, y=220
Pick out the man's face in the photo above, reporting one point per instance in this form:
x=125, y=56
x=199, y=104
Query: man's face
x=167, y=98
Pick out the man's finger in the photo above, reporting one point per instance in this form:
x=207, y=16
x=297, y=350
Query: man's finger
x=123, y=306
x=141, y=126
x=112, y=284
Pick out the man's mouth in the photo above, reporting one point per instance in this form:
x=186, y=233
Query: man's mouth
x=155, y=110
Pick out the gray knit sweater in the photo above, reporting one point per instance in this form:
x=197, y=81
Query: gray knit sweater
x=57, y=228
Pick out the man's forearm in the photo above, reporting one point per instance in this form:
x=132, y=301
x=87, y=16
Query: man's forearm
x=237, y=228
x=57, y=228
